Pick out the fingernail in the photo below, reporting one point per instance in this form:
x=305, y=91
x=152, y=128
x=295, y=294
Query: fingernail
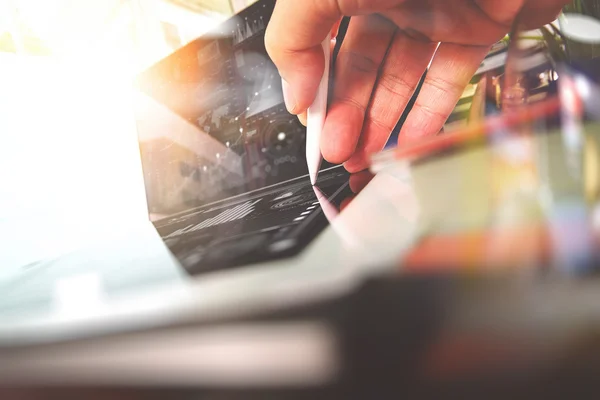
x=288, y=97
x=302, y=118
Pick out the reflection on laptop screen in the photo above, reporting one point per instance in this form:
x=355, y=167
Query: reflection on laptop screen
x=224, y=162
x=212, y=122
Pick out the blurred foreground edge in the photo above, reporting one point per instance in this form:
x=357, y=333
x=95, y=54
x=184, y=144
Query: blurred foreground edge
x=421, y=335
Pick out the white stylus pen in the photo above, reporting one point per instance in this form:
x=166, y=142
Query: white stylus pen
x=316, y=118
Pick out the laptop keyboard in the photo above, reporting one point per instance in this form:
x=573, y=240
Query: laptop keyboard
x=274, y=223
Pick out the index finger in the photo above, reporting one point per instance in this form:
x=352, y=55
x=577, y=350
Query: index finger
x=294, y=36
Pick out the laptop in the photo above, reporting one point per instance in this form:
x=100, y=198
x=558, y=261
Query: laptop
x=223, y=161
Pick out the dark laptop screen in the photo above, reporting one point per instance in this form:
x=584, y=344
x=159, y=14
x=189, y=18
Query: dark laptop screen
x=211, y=119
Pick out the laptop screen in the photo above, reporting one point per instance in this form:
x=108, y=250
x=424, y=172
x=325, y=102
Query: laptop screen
x=212, y=121
x=224, y=162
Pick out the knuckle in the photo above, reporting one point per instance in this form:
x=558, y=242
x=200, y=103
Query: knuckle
x=328, y=7
x=398, y=86
x=359, y=62
x=433, y=113
x=445, y=86
x=351, y=102
x=500, y=13
x=386, y=126
x=271, y=44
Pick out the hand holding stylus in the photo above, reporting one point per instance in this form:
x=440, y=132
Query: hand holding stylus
x=387, y=48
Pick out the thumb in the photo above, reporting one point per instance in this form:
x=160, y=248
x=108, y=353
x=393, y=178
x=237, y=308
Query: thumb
x=294, y=36
x=293, y=40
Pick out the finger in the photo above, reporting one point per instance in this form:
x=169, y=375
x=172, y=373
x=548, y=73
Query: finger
x=534, y=13
x=360, y=180
x=451, y=71
x=537, y=20
x=357, y=67
x=303, y=118
x=544, y=6
x=538, y=13
x=293, y=41
x=346, y=202
x=404, y=66
x=502, y=12
x=336, y=28
x=458, y=21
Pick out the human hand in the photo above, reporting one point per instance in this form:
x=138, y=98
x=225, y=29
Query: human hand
x=388, y=47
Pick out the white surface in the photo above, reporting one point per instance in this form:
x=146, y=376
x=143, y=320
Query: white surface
x=69, y=169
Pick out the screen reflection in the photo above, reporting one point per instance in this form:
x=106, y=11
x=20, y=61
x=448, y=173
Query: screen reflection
x=212, y=120
x=224, y=162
